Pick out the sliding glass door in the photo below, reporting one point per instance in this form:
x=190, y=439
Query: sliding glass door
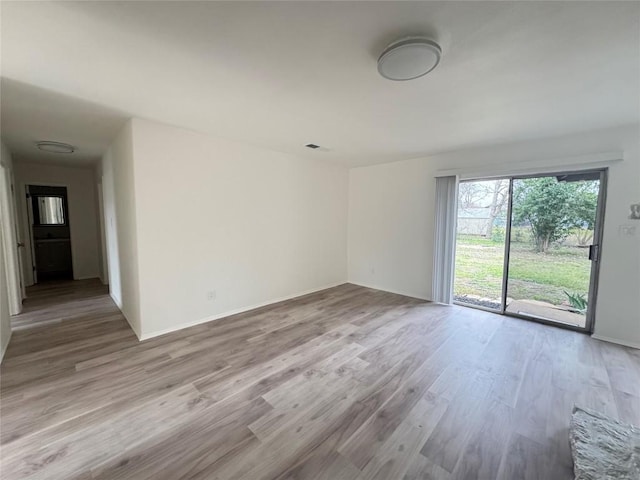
x=529, y=246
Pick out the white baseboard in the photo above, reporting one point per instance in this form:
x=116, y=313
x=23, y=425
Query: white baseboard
x=116, y=300
x=404, y=294
x=131, y=326
x=624, y=343
x=5, y=346
x=119, y=305
x=218, y=316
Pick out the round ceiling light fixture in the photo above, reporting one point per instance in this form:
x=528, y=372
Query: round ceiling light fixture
x=55, y=147
x=409, y=58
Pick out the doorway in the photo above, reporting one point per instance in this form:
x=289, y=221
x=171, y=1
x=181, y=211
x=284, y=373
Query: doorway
x=529, y=246
x=50, y=233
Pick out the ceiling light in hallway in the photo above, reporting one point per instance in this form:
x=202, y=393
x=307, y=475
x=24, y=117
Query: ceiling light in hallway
x=55, y=147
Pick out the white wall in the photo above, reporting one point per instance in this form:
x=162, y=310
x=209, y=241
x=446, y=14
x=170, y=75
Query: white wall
x=81, y=197
x=10, y=293
x=102, y=245
x=5, y=319
x=252, y=225
x=119, y=195
x=9, y=226
x=110, y=225
x=391, y=216
x=104, y=269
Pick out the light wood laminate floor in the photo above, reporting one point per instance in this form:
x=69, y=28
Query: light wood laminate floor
x=347, y=383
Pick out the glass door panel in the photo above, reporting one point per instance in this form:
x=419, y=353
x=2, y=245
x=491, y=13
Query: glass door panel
x=480, y=243
x=551, y=240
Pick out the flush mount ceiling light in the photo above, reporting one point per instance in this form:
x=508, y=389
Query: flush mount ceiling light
x=55, y=147
x=409, y=58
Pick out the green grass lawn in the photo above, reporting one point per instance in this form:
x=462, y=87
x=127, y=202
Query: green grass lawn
x=532, y=275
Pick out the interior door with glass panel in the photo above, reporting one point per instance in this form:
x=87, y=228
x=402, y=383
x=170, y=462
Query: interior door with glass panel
x=554, y=246
x=50, y=232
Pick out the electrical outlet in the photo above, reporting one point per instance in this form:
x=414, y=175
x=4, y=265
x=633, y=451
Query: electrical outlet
x=627, y=230
x=211, y=295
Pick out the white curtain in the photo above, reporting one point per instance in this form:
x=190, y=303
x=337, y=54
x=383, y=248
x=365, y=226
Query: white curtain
x=445, y=238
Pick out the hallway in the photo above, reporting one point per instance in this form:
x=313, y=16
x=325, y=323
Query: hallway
x=60, y=301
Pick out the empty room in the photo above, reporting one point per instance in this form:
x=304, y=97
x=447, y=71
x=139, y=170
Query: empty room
x=320, y=240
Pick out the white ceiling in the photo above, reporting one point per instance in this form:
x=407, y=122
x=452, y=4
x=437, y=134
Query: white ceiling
x=30, y=114
x=283, y=74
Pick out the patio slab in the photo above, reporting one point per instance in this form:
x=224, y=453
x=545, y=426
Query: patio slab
x=546, y=311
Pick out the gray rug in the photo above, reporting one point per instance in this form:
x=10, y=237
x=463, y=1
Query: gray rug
x=603, y=448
